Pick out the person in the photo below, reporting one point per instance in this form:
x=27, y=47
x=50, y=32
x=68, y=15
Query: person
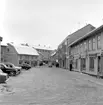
x=70, y=66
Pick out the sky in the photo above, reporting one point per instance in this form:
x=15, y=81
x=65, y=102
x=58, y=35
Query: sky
x=46, y=22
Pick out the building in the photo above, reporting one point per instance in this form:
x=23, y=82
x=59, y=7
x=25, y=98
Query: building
x=54, y=57
x=0, y=47
x=87, y=52
x=18, y=54
x=63, y=48
x=44, y=52
x=3, y=52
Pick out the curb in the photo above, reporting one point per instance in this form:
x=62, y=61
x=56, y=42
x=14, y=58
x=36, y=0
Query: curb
x=98, y=83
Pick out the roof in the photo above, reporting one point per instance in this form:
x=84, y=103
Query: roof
x=88, y=34
x=79, y=33
x=42, y=47
x=53, y=53
x=3, y=44
x=26, y=50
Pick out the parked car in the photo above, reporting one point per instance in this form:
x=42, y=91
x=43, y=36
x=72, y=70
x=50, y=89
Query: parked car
x=25, y=66
x=8, y=64
x=41, y=64
x=3, y=77
x=8, y=70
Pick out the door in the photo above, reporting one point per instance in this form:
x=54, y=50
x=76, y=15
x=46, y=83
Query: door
x=99, y=65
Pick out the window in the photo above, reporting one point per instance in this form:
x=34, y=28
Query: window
x=76, y=64
x=91, y=63
x=85, y=46
x=20, y=61
x=83, y=63
x=20, y=56
x=98, y=42
x=94, y=44
x=8, y=49
x=65, y=42
x=2, y=60
x=1, y=51
x=78, y=48
x=81, y=48
x=90, y=45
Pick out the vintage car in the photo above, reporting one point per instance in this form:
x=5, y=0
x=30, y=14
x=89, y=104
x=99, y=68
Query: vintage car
x=3, y=77
x=26, y=66
x=8, y=64
x=10, y=71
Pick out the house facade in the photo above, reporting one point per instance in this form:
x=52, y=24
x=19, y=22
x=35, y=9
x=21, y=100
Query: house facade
x=54, y=57
x=3, y=52
x=18, y=54
x=86, y=53
x=64, y=49
x=63, y=54
x=0, y=47
x=44, y=52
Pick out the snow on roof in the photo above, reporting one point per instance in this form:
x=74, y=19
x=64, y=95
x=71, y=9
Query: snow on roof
x=42, y=47
x=3, y=44
x=53, y=53
x=88, y=34
x=23, y=49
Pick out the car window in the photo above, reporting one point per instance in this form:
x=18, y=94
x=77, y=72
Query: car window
x=8, y=65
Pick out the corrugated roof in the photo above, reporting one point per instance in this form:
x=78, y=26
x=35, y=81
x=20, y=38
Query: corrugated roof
x=27, y=50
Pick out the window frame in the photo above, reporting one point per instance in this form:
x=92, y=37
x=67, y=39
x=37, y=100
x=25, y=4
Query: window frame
x=91, y=64
x=89, y=44
x=98, y=41
x=94, y=43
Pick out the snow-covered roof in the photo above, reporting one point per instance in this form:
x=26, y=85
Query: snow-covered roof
x=42, y=47
x=3, y=44
x=53, y=53
x=23, y=49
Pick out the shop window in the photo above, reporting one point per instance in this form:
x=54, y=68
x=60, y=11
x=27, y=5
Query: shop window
x=91, y=63
x=83, y=63
x=76, y=64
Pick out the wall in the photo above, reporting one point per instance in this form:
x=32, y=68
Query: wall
x=11, y=55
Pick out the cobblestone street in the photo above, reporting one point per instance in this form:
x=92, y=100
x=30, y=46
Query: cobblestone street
x=51, y=86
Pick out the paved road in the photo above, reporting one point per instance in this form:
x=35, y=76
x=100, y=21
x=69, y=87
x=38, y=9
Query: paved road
x=51, y=86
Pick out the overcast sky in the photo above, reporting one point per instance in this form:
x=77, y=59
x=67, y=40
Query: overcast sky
x=46, y=22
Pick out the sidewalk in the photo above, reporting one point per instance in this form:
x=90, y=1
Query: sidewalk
x=87, y=77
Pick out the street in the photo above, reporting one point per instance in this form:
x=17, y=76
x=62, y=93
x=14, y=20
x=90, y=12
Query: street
x=51, y=86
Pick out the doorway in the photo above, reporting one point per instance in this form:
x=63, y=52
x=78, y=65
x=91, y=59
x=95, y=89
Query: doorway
x=99, y=65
